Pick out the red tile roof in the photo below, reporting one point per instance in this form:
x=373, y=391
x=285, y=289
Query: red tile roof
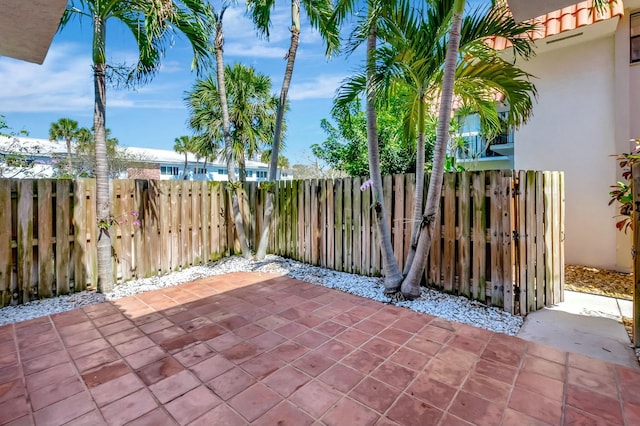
x=565, y=19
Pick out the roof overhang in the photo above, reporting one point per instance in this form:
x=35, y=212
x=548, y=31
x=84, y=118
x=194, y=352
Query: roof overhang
x=28, y=26
x=528, y=9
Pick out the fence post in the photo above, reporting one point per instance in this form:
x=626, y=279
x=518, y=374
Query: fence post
x=635, y=170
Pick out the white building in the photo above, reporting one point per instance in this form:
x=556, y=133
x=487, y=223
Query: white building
x=587, y=72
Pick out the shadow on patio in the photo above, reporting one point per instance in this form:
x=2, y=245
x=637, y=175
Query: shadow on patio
x=253, y=348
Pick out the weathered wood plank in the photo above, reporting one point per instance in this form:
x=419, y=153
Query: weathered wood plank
x=322, y=219
x=398, y=218
x=367, y=230
x=358, y=249
x=464, y=234
x=508, y=252
x=540, y=266
x=62, y=236
x=449, y=253
x=214, y=187
x=92, y=230
x=307, y=220
x=120, y=216
x=561, y=219
x=79, y=238
x=25, y=241
x=495, y=214
x=479, y=278
x=556, y=248
x=409, y=204
x=521, y=206
x=339, y=228
x=531, y=241
x=331, y=224
x=347, y=242
x=547, y=184
x=6, y=256
x=45, y=235
x=387, y=186
x=315, y=222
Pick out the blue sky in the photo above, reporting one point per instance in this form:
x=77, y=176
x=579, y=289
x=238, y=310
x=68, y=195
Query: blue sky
x=33, y=96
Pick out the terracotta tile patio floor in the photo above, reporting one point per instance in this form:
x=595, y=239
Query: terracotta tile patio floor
x=250, y=348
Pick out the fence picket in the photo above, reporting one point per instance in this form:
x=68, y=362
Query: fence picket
x=449, y=252
x=45, y=237
x=62, y=236
x=464, y=234
x=479, y=277
x=6, y=260
x=25, y=240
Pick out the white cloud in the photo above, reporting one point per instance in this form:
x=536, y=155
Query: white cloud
x=321, y=87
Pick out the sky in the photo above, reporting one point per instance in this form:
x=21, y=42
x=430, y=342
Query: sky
x=33, y=96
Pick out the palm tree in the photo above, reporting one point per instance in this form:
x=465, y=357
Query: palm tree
x=251, y=109
x=153, y=25
x=320, y=15
x=414, y=57
x=67, y=129
x=183, y=145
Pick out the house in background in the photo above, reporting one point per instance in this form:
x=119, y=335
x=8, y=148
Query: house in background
x=587, y=72
x=39, y=156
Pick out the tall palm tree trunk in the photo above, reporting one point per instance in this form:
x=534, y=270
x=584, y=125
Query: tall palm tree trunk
x=68, y=140
x=103, y=210
x=273, y=164
x=226, y=129
x=419, y=192
x=186, y=162
x=411, y=284
x=392, y=275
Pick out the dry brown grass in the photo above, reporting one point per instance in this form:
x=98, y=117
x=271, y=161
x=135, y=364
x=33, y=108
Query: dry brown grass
x=598, y=281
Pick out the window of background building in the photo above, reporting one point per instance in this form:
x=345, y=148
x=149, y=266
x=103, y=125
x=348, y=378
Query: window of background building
x=635, y=37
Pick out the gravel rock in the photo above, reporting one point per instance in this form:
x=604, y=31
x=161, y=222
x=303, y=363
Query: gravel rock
x=454, y=308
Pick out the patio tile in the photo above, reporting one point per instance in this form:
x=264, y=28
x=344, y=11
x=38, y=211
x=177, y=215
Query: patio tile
x=262, y=365
x=353, y=337
x=515, y=418
x=104, y=356
x=159, y=370
x=374, y=394
x=211, y=367
x=144, y=357
x=547, y=352
x=155, y=326
x=544, y=367
x=178, y=343
x=335, y=349
x=491, y=389
x=604, y=384
x=194, y=354
x=240, y=353
x=135, y=345
x=432, y=391
x=632, y=413
x=500, y=352
x=129, y=408
x=410, y=358
x=254, y=401
x=591, y=365
x=224, y=341
x=9, y=373
x=44, y=362
x=410, y=411
x=44, y=378
x=594, y=403
x=115, y=389
x=536, y=406
x=222, y=415
x=284, y=414
x=167, y=334
x=370, y=326
x=409, y=325
x=395, y=335
x=467, y=344
x=330, y=328
x=475, y=409
x=267, y=341
x=13, y=409
x=82, y=337
x=446, y=372
x=551, y=388
x=192, y=405
x=105, y=373
x=233, y=322
x=116, y=327
x=347, y=411
x=249, y=331
x=313, y=363
x=286, y=380
x=394, y=374
x=63, y=411
x=88, y=348
x=10, y=359
x=154, y=417
x=289, y=351
x=291, y=330
x=174, y=386
x=93, y=418
x=39, y=339
x=380, y=347
x=315, y=398
x=436, y=334
x=573, y=416
x=311, y=339
x=35, y=351
x=124, y=336
x=500, y=372
x=55, y=392
x=362, y=361
x=231, y=383
x=12, y=389
x=207, y=332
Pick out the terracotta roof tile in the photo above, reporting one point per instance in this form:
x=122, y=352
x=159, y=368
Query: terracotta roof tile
x=565, y=19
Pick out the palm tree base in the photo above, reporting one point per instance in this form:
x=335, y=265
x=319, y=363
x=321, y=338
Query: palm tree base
x=410, y=291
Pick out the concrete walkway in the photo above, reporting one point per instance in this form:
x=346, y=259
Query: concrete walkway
x=259, y=349
x=586, y=324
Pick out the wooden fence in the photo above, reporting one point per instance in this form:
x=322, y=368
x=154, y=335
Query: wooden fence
x=500, y=238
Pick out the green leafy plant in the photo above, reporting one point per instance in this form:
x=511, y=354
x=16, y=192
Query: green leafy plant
x=622, y=191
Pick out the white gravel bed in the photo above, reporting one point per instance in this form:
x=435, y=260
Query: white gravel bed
x=454, y=308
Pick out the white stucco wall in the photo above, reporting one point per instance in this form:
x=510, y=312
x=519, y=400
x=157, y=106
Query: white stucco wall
x=573, y=130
